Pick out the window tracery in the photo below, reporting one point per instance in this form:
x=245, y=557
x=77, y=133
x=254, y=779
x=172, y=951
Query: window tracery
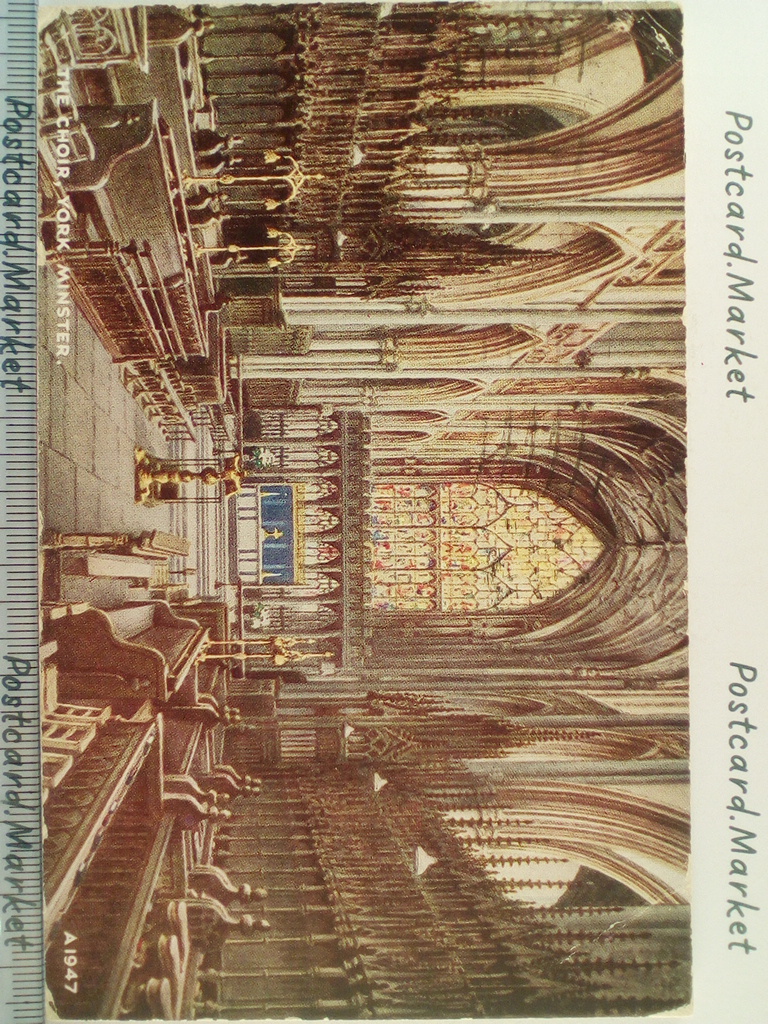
x=464, y=547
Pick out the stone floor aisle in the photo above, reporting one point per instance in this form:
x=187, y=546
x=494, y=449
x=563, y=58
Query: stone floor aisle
x=88, y=427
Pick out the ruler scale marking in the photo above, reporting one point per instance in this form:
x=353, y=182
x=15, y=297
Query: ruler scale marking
x=22, y=981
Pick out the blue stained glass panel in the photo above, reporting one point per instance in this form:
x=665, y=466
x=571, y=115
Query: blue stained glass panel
x=278, y=535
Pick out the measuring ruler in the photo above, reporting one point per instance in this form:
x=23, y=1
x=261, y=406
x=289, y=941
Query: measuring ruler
x=22, y=978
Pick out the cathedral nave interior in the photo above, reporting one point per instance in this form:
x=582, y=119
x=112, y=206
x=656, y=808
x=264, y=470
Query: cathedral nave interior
x=363, y=502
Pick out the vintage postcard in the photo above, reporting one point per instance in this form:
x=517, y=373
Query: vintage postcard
x=363, y=497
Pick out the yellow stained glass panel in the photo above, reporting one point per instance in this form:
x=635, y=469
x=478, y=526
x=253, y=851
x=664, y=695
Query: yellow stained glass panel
x=463, y=546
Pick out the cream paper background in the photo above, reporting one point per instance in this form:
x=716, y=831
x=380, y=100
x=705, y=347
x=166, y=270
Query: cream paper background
x=725, y=68
x=728, y=490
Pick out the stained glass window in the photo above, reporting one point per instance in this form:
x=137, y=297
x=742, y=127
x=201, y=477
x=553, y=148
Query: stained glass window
x=463, y=546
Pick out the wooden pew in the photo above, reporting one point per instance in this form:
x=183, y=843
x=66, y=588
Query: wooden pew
x=139, y=650
x=149, y=544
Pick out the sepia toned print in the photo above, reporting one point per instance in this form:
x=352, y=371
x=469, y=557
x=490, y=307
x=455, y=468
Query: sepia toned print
x=362, y=440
